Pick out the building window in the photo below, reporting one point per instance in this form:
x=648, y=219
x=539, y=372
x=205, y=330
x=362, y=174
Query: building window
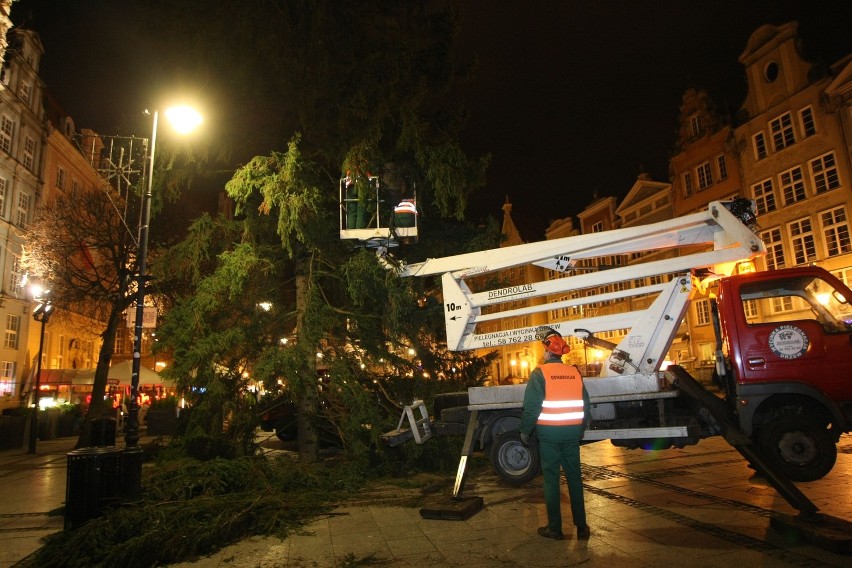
x=774, y=249
x=687, y=184
x=782, y=132
x=750, y=309
x=60, y=357
x=806, y=118
x=695, y=125
x=706, y=353
x=782, y=304
x=597, y=227
x=75, y=188
x=573, y=310
x=15, y=274
x=835, y=229
x=722, y=166
x=7, y=130
x=764, y=196
x=4, y=187
x=120, y=342
x=759, y=141
x=26, y=88
x=793, y=185
x=23, y=209
x=824, y=173
x=13, y=323
x=29, y=153
x=705, y=176
x=60, y=177
x=7, y=378
x=802, y=237
x=845, y=275
x=88, y=351
x=702, y=312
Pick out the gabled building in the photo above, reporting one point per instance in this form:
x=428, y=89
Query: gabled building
x=514, y=362
x=597, y=217
x=794, y=150
x=71, y=340
x=647, y=202
x=704, y=166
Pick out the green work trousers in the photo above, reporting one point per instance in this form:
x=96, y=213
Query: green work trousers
x=559, y=448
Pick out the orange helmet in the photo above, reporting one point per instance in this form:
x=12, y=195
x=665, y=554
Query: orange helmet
x=553, y=341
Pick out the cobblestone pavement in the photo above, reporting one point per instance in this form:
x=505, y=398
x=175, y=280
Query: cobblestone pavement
x=698, y=507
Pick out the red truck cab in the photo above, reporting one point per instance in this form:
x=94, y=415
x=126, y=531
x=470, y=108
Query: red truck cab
x=788, y=335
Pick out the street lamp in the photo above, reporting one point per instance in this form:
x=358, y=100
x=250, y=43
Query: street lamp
x=41, y=313
x=184, y=119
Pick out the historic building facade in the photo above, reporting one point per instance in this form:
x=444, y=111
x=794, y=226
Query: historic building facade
x=514, y=362
x=71, y=340
x=788, y=148
x=22, y=141
x=704, y=167
x=38, y=159
x=794, y=152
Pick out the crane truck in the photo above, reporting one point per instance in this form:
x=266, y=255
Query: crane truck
x=783, y=346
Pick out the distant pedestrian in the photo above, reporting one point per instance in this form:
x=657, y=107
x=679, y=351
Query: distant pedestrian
x=556, y=407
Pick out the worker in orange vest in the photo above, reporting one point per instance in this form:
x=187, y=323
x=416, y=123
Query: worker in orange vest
x=556, y=407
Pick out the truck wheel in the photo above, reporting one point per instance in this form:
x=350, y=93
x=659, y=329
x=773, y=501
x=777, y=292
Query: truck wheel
x=514, y=462
x=800, y=448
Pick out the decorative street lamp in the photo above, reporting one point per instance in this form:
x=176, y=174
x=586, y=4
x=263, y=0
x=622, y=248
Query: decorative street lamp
x=184, y=119
x=41, y=313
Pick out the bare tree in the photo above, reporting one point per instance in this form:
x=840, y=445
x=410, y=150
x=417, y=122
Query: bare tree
x=82, y=246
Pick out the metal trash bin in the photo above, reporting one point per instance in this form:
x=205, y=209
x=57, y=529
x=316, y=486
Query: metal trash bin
x=93, y=483
x=103, y=432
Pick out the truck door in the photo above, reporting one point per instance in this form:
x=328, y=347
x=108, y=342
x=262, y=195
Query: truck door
x=797, y=329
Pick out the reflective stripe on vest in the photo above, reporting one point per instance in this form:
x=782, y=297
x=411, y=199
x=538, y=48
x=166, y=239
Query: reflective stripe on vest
x=563, y=396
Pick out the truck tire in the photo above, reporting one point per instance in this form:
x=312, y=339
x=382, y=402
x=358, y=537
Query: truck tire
x=800, y=448
x=514, y=462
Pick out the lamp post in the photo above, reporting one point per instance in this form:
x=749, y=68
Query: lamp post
x=184, y=119
x=41, y=313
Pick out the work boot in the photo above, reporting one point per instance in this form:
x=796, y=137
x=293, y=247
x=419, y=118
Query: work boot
x=583, y=533
x=547, y=533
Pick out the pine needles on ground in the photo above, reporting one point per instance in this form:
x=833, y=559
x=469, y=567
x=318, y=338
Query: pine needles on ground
x=192, y=508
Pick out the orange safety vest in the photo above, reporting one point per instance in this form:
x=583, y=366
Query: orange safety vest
x=563, y=396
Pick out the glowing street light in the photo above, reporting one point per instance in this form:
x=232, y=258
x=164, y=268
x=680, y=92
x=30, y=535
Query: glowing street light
x=184, y=119
x=41, y=313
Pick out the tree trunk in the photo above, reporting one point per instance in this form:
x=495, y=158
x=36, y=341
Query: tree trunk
x=98, y=407
x=308, y=401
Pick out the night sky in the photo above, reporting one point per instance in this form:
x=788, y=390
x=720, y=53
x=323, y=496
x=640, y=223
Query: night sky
x=570, y=97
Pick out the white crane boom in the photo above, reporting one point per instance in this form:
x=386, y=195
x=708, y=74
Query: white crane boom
x=726, y=226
